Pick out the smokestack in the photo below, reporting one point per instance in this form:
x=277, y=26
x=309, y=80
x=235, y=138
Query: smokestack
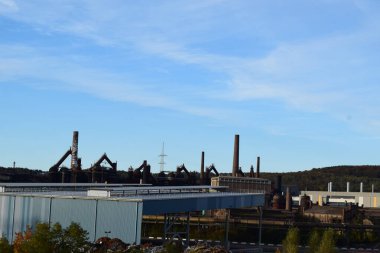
x=74, y=151
x=251, y=172
x=348, y=186
x=361, y=186
x=373, y=188
x=203, y=167
x=145, y=173
x=279, y=184
x=329, y=187
x=288, y=205
x=258, y=167
x=235, y=165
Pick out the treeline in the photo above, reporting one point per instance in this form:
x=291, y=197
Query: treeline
x=318, y=242
x=317, y=179
x=46, y=239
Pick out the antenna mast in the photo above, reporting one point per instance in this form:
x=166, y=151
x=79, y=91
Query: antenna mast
x=162, y=160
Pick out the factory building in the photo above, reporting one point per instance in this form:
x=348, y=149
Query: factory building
x=243, y=184
x=108, y=210
x=340, y=198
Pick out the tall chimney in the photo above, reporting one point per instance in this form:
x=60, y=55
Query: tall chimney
x=348, y=186
x=258, y=167
x=361, y=186
x=235, y=165
x=288, y=204
x=279, y=184
x=203, y=168
x=74, y=151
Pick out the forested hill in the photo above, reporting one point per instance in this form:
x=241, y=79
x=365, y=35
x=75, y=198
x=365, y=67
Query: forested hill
x=317, y=179
x=23, y=175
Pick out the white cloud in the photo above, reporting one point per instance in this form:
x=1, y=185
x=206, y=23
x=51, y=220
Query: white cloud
x=319, y=74
x=8, y=6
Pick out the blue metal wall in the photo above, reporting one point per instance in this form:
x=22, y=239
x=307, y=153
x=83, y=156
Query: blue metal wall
x=97, y=216
x=6, y=216
x=173, y=205
x=119, y=218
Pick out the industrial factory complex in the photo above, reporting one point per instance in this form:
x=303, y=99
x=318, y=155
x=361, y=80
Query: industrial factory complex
x=105, y=204
x=117, y=209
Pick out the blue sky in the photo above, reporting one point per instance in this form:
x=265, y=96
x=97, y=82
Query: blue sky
x=298, y=80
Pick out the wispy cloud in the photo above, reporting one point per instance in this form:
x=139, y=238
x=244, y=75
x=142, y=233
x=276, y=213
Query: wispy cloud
x=319, y=73
x=8, y=6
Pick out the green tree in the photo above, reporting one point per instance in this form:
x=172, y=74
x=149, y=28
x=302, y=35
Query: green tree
x=41, y=240
x=57, y=239
x=328, y=242
x=46, y=239
x=290, y=244
x=75, y=238
x=5, y=247
x=314, y=241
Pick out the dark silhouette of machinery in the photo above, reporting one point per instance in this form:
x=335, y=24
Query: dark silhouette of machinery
x=75, y=164
x=183, y=176
x=101, y=173
x=141, y=174
x=208, y=173
x=59, y=173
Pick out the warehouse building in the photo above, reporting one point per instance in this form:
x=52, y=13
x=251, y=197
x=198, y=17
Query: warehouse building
x=103, y=210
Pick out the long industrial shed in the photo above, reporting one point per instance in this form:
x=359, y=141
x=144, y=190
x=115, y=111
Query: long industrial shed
x=115, y=212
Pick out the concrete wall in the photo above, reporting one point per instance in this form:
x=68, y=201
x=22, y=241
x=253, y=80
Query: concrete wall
x=121, y=218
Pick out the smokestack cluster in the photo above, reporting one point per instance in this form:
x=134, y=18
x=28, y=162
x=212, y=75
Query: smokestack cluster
x=235, y=165
x=74, y=151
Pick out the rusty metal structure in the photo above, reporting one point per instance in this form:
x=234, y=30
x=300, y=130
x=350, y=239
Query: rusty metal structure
x=142, y=173
x=235, y=165
x=76, y=163
x=103, y=158
x=100, y=173
x=74, y=152
x=55, y=167
x=180, y=169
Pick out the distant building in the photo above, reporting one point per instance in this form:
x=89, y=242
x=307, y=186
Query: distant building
x=243, y=184
x=330, y=198
x=332, y=214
